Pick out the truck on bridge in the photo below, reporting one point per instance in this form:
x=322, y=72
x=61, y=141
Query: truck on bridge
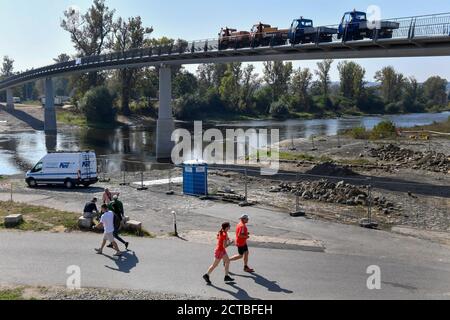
x=263, y=35
x=303, y=31
x=355, y=26
x=230, y=38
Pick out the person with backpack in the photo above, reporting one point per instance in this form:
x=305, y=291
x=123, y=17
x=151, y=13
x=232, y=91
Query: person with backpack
x=116, y=206
x=221, y=254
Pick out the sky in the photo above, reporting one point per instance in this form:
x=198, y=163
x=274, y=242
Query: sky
x=30, y=31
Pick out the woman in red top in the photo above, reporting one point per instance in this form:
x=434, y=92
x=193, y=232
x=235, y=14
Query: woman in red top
x=221, y=253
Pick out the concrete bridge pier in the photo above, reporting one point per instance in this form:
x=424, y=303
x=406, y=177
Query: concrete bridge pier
x=166, y=123
x=49, y=108
x=9, y=99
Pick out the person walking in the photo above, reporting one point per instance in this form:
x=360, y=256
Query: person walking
x=242, y=235
x=107, y=222
x=108, y=196
x=116, y=206
x=221, y=254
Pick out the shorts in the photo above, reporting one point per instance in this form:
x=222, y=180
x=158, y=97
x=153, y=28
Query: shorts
x=219, y=254
x=242, y=250
x=108, y=237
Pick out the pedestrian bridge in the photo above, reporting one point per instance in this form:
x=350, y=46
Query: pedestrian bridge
x=419, y=36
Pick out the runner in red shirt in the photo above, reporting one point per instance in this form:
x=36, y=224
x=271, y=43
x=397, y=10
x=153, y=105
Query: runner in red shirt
x=221, y=254
x=242, y=236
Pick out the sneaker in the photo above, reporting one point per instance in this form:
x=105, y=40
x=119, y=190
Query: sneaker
x=249, y=270
x=206, y=277
x=126, y=245
x=99, y=251
x=228, y=279
x=110, y=246
x=118, y=254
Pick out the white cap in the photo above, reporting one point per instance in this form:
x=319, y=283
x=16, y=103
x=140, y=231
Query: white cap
x=244, y=217
x=115, y=197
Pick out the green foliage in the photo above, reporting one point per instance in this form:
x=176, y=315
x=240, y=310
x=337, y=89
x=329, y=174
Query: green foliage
x=97, y=105
x=358, y=133
x=279, y=109
x=143, y=107
x=384, y=130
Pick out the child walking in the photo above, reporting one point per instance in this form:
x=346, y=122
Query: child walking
x=221, y=254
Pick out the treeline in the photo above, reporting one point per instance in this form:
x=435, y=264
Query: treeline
x=223, y=90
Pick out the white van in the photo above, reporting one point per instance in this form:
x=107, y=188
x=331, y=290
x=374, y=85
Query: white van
x=64, y=168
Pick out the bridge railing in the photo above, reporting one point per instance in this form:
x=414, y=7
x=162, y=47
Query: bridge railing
x=436, y=25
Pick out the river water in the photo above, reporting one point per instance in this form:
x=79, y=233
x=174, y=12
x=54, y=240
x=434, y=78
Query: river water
x=21, y=150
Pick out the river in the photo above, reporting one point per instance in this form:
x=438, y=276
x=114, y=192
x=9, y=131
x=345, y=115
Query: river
x=21, y=150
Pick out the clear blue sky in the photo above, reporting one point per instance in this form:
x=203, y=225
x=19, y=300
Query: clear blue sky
x=31, y=35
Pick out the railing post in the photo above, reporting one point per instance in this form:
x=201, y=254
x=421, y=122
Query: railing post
x=142, y=188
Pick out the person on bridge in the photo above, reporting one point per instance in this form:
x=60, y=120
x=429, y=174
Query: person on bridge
x=116, y=206
x=221, y=254
x=107, y=222
x=242, y=235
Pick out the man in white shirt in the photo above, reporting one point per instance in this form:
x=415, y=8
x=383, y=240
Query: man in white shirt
x=107, y=221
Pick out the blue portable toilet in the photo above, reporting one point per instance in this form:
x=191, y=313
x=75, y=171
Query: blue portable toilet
x=195, y=178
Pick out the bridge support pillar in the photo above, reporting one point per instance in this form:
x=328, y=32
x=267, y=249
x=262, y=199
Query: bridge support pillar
x=49, y=108
x=9, y=99
x=166, y=123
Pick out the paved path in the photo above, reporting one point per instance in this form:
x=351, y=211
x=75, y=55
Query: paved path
x=176, y=266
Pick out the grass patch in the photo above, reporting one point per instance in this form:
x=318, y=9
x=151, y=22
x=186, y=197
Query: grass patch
x=11, y=294
x=39, y=218
x=72, y=118
x=303, y=157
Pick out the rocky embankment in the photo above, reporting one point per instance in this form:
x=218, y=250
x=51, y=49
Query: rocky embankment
x=339, y=193
x=417, y=160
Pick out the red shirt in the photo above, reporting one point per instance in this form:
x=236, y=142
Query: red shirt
x=221, y=237
x=241, y=230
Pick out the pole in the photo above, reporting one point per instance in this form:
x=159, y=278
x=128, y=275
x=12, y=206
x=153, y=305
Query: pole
x=369, y=213
x=11, y=192
x=297, y=194
x=175, y=223
x=170, y=191
x=246, y=186
x=142, y=188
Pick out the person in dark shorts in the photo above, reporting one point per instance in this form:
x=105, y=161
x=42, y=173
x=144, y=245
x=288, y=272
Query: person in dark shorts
x=221, y=254
x=116, y=206
x=242, y=235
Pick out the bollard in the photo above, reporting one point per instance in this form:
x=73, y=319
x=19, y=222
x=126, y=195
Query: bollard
x=313, y=144
x=170, y=192
x=175, y=224
x=142, y=188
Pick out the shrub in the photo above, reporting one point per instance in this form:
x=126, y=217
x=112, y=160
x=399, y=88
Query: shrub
x=384, y=130
x=279, y=109
x=97, y=105
x=359, y=133
x=143, y=107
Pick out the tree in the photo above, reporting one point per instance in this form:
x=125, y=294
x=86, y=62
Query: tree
x=7, y=69
x=391, y=84
x=62, y=84
x=278, y=75
x=301, y=82
x=249, y=86
x=128, y=35
x=89, y=32
x=210, y=75
x=62, y=58
x=435, y=91
x=412, y=96
x=323, y=73
x=352, y=76
x=97, y=105
x=184, y=83
x=230, y=85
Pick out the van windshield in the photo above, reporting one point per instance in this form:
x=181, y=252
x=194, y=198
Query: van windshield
x=37, y=168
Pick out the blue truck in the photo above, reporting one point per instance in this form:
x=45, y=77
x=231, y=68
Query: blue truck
x=303, y=31
x=355, y=26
